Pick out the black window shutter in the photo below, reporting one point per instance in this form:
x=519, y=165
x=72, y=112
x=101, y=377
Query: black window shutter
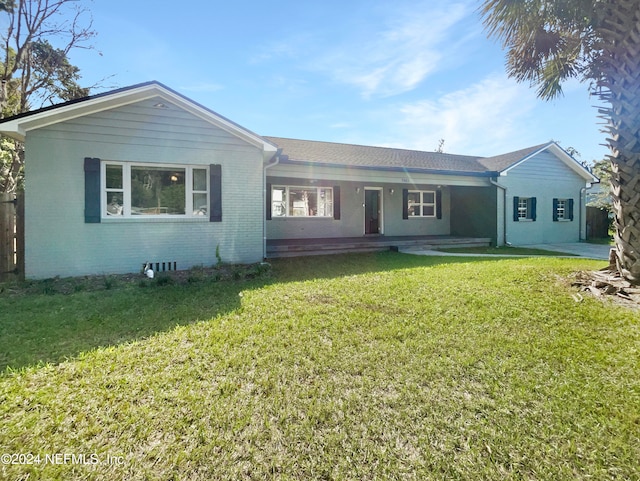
x=533, y=208
x=405, y=203
x=91, y=191
x=215, y=194
x=336, y=202
x=555, y=210
x=516, y=202
x=438, y=204
x=268, y=202
x=570, y=207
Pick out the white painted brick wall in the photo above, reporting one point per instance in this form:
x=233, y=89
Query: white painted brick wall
x=60, y=243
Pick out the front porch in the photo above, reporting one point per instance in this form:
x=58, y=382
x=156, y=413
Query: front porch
x=338, y=245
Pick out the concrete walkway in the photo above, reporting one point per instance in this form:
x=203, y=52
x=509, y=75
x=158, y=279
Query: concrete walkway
x=580, y=249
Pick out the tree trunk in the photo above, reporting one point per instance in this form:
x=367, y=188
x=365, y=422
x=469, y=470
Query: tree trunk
x=620, y=30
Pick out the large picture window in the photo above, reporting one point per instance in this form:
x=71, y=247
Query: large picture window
x=289, y=201
x=135, y=190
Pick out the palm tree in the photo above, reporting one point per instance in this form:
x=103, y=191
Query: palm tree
x=549, y=41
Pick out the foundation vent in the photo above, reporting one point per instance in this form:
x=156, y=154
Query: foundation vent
x=160, y=266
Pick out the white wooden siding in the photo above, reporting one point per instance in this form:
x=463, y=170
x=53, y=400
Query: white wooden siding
x=544, y=167
x=146, y=126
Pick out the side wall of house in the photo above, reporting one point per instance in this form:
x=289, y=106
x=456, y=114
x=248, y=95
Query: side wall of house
x=544, y=177
x=60, y=243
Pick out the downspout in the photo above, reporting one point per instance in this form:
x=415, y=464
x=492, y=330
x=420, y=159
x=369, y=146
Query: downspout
x=268, y=165
x=504, y=210
x=583, y=192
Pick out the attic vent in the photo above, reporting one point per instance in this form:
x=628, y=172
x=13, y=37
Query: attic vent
x=161, y=105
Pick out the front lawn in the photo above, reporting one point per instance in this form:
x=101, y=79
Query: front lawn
x=370, y=366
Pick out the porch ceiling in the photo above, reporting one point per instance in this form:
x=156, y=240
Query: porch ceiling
x=336, y=173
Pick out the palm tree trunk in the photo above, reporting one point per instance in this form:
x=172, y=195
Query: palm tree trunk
x=620, y=30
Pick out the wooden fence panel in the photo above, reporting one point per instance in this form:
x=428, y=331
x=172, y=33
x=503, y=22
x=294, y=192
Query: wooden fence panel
x=20, y=236
x=597, y=223
x=11, y=237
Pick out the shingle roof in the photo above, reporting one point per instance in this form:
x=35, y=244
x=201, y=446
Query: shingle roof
x=504, y=161
x=376, y=157
x=337, y=154
x=363, y=156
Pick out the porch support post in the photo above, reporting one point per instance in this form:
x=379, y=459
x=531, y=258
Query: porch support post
x=501, y=213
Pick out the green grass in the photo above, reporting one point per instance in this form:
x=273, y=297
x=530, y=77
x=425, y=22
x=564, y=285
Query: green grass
x=607, y=241
x=506, y=251
x=373, y=366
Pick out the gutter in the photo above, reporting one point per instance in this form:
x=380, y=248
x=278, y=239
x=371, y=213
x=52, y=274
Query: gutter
x=582, y=198
x=268, y=165
x=504, y=210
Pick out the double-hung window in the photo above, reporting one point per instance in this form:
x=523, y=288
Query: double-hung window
x=524, y=209
x=421, y=203
x=291, y=201
x=562, y=210
x=145, y=190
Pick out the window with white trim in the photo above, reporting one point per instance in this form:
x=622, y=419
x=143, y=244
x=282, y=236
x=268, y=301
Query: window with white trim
x=562, y=210
x=143, y=190
x=524, y=208
x=421, y=203
x=291, y=201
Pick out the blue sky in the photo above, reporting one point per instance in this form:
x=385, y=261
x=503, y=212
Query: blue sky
x=390, y=73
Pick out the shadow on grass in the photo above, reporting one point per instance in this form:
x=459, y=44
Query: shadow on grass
x=49, y=327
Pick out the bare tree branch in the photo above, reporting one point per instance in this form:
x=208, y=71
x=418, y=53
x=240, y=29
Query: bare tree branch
x=35, y=45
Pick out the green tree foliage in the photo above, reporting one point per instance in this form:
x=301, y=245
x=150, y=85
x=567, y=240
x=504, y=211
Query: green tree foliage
x=602, y=199
x=550, y=41
x=35, y=71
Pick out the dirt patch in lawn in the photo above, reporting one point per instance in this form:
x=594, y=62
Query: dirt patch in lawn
x=607, y=284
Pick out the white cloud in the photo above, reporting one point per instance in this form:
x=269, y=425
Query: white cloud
x=387, y=51
x=484, y=119
x=407, y=48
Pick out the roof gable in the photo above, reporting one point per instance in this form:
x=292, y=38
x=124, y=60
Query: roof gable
x=18, y=126
x=506, y=162
x=503, y=162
